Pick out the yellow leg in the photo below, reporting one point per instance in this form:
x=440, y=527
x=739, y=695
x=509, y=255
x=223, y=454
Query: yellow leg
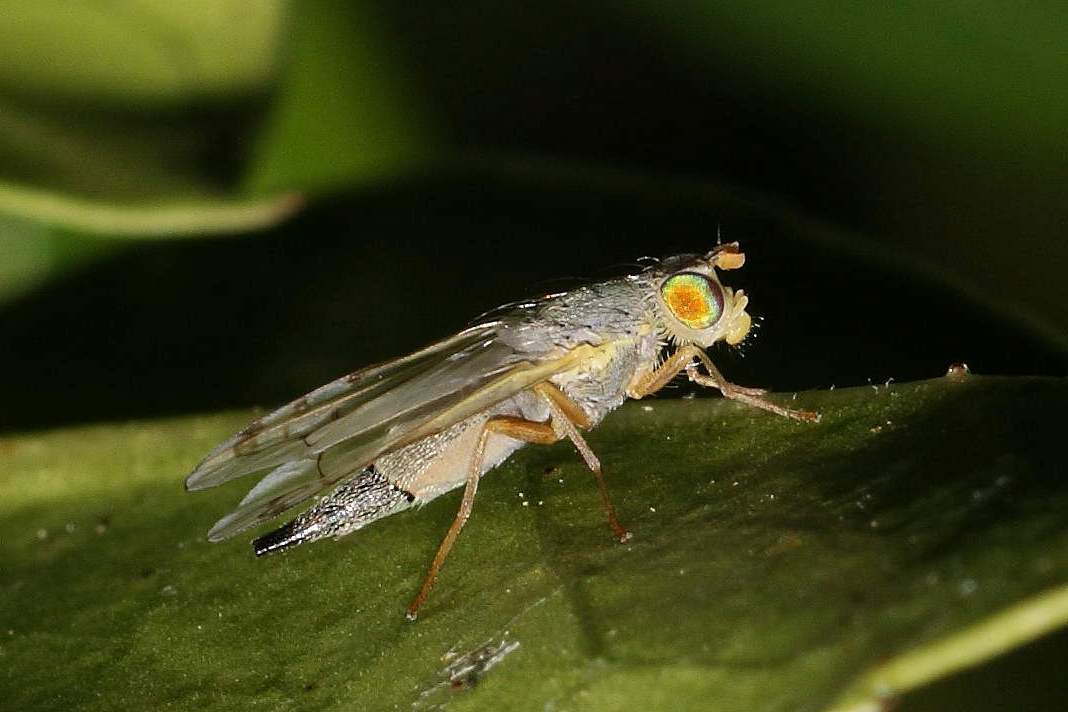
x=683, y=360
x=518, y=428
x=571, y=410
x=566, y=415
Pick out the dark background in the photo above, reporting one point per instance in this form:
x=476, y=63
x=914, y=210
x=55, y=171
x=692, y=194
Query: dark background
x=173, y=327
x=887, y=236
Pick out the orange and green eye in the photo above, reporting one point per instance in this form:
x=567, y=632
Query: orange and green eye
x=693, y=298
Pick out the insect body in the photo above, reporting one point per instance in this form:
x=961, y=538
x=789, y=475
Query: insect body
x=399, y=434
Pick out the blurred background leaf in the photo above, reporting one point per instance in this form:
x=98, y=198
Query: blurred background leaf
x=346, y=110
x=133, y=54
x=132, y=102
x=125, y=119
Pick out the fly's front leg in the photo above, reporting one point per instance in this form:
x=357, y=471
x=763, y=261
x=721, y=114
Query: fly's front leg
x=715, y=379
x=567, y=417
x=518, y=428
x=652, y=381
x=683, y=360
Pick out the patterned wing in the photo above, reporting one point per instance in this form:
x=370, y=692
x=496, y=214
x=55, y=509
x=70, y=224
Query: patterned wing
x=335, y=431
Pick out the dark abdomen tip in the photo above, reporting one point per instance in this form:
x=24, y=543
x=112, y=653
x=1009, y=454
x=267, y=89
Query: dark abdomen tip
x=279, y=540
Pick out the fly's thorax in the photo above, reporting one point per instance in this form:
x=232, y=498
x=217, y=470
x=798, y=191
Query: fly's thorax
x=592, y=315
x=610, y=321
x=599, y=384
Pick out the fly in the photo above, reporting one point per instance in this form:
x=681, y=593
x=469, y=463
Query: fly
x=399, y=434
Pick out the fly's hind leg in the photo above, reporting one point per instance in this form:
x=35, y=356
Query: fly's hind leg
x=683, y=360
x=518, y=428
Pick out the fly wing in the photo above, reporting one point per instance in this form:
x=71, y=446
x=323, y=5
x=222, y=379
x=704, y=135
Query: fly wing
x=285, y=434
x=335, y=431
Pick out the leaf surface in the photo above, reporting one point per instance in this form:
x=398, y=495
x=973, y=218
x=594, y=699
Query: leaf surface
x=774, y=565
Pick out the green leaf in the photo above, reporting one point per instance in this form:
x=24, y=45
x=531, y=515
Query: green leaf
x=202, y=122
x=89, y=220
x=133, y=54
x=127, y=121
x=966, y=72
x=774, y=565
x=33, y=252
x=346, y=111
x=109, y=133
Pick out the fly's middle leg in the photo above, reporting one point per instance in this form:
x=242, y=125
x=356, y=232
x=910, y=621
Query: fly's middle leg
x=567, y=418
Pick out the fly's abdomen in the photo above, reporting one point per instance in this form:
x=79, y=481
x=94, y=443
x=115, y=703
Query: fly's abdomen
x=416, y=473
x=365, y=498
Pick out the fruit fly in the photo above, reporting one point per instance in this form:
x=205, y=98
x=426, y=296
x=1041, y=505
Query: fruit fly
x=397, y=435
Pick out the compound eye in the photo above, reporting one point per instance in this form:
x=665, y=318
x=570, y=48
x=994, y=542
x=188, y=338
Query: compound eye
x=693, y=298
